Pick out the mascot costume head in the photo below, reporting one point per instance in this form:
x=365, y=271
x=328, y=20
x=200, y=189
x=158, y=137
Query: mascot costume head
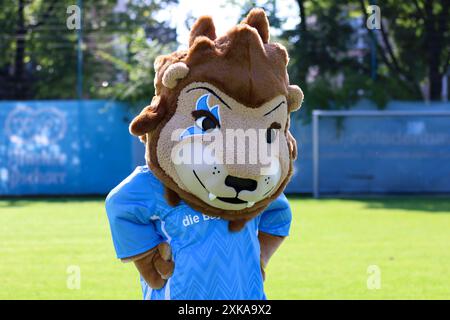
x=224, y=99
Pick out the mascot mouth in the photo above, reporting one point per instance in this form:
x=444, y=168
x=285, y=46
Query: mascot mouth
x=232, y=200
x=235, y=200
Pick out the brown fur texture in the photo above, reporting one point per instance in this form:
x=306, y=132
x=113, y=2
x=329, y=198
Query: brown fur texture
x=148, y=118
x=156, y=265
x=257, y=19
x=204, y=26
x=268, y=244
x=292, y=145
x=172, y=197
x=241, y=63
x=237, y=225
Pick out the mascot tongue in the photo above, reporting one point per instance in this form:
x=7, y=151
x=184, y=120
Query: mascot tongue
x=237, y=81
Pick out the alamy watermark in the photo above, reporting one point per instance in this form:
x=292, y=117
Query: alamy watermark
x=73, y=21
x=235, y=146
x=374, y=17
x=73, y=281
x=374, y=277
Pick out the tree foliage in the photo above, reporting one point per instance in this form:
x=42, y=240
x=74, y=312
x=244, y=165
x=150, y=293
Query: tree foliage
x=39, y=58
x=332, y=51
x=334, y=57
x=337, y=60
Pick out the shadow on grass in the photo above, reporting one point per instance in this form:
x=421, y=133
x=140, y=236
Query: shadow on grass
x=429, y=204
x=423, y=204
x=26, y=201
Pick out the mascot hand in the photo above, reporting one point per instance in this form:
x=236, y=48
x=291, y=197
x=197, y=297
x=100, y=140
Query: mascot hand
x=156, y=266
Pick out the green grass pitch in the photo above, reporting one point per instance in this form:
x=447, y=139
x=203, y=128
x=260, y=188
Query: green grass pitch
x=327, y=256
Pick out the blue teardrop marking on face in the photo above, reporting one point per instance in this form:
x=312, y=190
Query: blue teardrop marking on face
x=191, y=131
x=215, y=111
x=202, y=104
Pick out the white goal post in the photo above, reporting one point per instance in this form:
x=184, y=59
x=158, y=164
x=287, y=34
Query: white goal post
x=357, y=113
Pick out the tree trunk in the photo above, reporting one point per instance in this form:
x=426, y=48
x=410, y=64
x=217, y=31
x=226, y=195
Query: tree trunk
x=20, y=52
x=434, y=45
x=434, y=75
x=303, y=45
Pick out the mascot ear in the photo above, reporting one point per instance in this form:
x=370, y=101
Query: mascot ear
x=148, y=119
x=204, y=26
x=257, y=19
x=295, y=98
x=174, y=73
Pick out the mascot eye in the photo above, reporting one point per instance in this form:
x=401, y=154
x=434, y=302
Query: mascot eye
x=205, y=123
x=271, y=132
x=205, y=120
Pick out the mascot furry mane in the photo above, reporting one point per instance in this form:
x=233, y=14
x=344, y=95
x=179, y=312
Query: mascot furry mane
x=236, y=81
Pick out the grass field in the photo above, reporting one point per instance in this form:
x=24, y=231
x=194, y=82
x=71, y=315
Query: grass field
x=332, y=244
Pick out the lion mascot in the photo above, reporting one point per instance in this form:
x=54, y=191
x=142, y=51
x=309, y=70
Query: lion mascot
x=203, y=217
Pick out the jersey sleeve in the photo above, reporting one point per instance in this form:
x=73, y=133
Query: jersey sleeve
x=132, y=229
x=276, y=219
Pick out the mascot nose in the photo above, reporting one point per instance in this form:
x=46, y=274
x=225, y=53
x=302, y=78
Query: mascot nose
x=240, y=184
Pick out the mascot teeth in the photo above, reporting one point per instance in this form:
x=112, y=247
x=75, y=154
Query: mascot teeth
x=212, y=196
x=250, y=204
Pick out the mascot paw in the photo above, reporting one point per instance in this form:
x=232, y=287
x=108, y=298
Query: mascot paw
x=156, y=266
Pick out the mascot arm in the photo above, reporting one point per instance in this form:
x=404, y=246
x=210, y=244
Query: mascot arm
x=274, y=226
x=268, y=244
x=135, y=236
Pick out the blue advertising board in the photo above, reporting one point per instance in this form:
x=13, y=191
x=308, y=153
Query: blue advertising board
x=84, y=147
x=63, y=147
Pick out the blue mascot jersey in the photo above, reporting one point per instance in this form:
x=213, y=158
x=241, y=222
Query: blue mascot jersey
x=210, y=261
